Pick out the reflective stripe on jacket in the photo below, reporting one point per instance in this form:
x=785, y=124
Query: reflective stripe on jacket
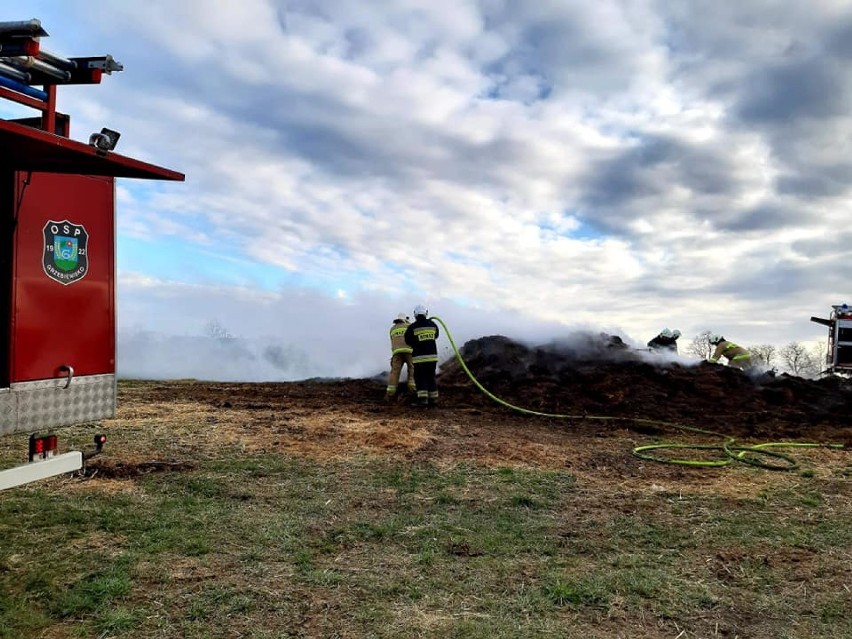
x=422, y=337
x=397, y=337
x=730, y=351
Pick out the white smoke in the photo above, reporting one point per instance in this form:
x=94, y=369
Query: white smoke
x=222, y=334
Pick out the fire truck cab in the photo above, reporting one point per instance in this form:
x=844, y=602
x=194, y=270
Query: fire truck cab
x=57, y=254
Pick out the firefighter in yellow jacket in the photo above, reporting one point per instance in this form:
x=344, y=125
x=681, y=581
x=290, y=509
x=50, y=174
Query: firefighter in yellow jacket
x=400, y=355
x=737, y=356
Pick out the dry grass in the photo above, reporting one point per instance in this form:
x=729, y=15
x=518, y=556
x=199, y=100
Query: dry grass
x=316, y=511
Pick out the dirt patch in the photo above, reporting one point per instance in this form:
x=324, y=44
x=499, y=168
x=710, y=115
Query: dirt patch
x=117, y=469
x=344, y=418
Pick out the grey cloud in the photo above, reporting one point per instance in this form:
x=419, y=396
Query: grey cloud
x=811, y=88
x=781, y=69
x=761, y=218
x=340, y=140
x=653, y=168
x=333, y=150
x=817, y=180
x=767, y=279
x=566, y=46
x=834, y=244
x=838, y=40
x=792, y=88
x=358, y=42
x=630, y=174
x=662, y=288
x=719, y=41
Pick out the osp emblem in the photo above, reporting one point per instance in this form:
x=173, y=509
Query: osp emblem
x=65, y=258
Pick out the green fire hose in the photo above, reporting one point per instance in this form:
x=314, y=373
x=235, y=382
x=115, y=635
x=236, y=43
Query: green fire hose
x=729, y=450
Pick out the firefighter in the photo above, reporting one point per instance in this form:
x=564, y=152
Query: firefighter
x=737, y=356
x=665, y=341
x=422, y=337
x=400, y=355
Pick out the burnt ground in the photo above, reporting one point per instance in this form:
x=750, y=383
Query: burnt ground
x=342, y=418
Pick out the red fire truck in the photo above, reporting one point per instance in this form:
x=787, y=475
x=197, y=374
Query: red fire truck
x=57, y=255
x=839, y=355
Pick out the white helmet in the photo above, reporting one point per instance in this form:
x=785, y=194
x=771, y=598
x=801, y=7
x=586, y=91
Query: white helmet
x=421, y=309
x=675, y=333
x=402, y=317
x=666, y=333
x=715, y=338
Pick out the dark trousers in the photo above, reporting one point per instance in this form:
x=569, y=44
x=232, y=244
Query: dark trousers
x=424, y=378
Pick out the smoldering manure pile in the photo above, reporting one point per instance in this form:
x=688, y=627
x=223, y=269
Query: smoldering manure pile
x=598, y=375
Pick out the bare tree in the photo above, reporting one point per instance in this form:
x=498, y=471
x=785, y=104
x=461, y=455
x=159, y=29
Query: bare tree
x=799, y=361
x=821, y=357
x=700, y=346
x=763, y=355
x=215, y=330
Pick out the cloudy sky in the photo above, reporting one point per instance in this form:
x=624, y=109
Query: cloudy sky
x=523, y=168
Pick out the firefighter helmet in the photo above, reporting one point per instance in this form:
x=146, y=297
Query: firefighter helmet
x=715, y=338
x=421, y=309
x=401, y=317
x=675, y=333
x=665, y=333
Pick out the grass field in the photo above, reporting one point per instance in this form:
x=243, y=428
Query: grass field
x=201, y=539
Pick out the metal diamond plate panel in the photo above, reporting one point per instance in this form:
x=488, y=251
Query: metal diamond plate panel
x=45, y=404
x=7, y=410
